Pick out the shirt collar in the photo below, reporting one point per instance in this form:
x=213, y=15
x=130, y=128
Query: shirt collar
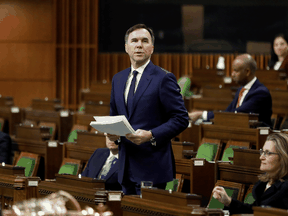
x=110, y=155
x=140, y=69
x=249, y=85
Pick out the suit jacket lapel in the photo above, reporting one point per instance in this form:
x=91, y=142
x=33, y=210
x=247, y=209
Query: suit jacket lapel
x=251, y=90
x=120, y=91
x=112, y=170
x=101, y=162
x=143, y=84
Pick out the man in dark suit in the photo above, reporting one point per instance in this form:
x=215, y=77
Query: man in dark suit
x=99, y=160
x=152, y=103
x=5, y=147
x=252, y=97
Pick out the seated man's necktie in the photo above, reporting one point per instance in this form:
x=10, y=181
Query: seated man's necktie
x=106, y=168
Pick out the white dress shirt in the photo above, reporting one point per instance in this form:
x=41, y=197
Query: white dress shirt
x=140, y=71
x=247, y=88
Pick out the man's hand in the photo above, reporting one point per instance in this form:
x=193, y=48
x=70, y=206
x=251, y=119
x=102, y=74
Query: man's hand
x=113, y=137
x=141, y=136
x=195, y=115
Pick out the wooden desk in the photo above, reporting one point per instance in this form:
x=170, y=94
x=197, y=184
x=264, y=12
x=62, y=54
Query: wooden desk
x=269, y=211
x=63, y=120
x=161, y=202
x=43, y=104
x=225, y=133
x=12, y=117
x=15, y=187
x=87, y=191
x=209, y=104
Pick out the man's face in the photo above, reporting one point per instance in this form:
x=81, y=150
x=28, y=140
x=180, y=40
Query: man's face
x=139, y=47
x=239, y=73
x=110, y=144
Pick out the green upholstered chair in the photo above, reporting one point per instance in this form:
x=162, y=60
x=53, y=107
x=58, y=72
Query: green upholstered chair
x=228, y=151
x=233, y=189
x=72, y=137
x=70, y=166
x=185, y=84
x=249, y=199
x=176, y=184
x=209, y=149
x=30, y=161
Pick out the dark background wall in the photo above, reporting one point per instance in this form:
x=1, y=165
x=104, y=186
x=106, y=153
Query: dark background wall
x=235, y=22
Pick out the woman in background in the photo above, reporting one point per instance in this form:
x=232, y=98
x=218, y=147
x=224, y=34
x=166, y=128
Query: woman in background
x=272, y=187
x=279, y=55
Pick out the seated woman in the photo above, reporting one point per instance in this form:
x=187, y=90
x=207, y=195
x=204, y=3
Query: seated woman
x=279, y=54
x=272, y=187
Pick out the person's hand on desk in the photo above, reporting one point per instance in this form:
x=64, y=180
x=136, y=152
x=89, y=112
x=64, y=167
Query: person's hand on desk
x=141, y=136
x=195, y=115
x=220, y=194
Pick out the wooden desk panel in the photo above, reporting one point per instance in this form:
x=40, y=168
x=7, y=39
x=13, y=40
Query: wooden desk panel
x=226, y=133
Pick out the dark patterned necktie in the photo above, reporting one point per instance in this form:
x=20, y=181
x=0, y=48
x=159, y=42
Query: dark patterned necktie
x=131, y=93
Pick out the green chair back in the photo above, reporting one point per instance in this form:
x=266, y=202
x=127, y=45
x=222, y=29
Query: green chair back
x=69, y=168
x=229, y=153
x=28, y=163
x=214, y=203
x=249, y=199
x=185, y=84
x=207, y=151
x=72, y=136
x=172, y=185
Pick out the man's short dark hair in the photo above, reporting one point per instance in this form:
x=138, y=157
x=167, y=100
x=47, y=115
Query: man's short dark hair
x=139, y=26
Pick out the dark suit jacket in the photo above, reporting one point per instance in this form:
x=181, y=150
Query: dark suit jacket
x=276, y=196
x=95, y=164
x=157, y=106
x=258, y=100
x=5, y=147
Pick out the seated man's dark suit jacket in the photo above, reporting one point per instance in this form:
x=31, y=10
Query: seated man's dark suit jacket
x=5, y=147
x=276, y=196
x=95, y=164
x=257, y=100
x=157, y=106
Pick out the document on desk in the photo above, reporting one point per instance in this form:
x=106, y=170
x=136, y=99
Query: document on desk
x=117, y=125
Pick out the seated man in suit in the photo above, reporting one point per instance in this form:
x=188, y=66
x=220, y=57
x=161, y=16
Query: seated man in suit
x=5, y=147
x=252, y=97
x=103, y=165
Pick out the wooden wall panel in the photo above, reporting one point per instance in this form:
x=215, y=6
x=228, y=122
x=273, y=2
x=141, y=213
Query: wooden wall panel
x=27, y=50
x=24, y=91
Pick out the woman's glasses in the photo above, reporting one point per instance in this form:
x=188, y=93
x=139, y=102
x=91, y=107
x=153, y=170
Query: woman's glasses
x=266, y=153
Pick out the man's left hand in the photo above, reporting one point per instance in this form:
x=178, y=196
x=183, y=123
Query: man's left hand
x=141, y=136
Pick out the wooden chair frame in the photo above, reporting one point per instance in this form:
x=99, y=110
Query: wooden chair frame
x=236, y=143
x=51, y=125
x=73, y=161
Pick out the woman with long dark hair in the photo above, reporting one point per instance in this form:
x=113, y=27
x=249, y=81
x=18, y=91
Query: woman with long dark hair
x=279, y=54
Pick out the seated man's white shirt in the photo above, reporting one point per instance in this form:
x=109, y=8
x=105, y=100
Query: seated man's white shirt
x=247, y=88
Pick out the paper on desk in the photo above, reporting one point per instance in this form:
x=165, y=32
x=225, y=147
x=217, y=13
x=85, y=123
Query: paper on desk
x=117, y=125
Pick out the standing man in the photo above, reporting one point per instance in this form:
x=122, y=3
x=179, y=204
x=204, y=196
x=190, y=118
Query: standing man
x=150, y=98
x=252, y=97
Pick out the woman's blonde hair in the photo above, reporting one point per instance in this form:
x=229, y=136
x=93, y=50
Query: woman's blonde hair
x=281, y=146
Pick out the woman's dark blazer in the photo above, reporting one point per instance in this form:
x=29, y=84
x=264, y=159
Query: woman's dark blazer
x=276, y=196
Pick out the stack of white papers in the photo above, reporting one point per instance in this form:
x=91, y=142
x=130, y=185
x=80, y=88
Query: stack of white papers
x=117, y=125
